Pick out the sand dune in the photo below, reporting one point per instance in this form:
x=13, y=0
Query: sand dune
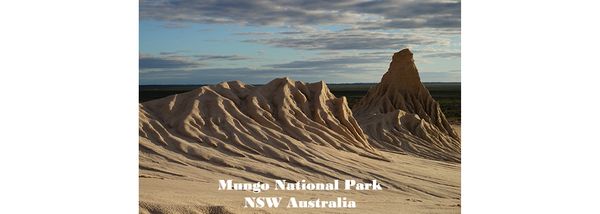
x=291, y=130
x=399, y=114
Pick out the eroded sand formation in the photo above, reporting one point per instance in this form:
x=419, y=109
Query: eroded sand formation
x=291, y=130
x=399, y=114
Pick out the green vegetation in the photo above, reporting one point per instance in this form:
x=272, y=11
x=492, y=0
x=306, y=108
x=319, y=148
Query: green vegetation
x=446, y=94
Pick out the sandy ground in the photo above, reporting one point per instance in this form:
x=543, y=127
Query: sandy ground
x=438, y=183
x=456, y=128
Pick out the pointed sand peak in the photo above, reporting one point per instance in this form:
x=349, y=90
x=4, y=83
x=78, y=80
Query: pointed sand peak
x=402, y=72
x=401, y=89
x=320, y=87
x=281, y=81
x=403, y=55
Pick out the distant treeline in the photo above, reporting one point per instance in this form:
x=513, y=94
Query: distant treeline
x=447, y=94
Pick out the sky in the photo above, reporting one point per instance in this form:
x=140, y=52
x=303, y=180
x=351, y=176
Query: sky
x=255, y=41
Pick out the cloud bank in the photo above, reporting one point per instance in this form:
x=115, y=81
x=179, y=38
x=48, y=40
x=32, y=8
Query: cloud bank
x=380, y=14
x=351, y=39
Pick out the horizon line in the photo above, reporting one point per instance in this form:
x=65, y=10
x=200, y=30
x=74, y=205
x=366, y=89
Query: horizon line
x=266, y=83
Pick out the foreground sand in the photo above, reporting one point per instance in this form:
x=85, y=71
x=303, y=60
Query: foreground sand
x=456, y=128
x=426, y=186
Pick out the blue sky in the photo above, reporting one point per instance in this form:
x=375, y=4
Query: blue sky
x=206, y=42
